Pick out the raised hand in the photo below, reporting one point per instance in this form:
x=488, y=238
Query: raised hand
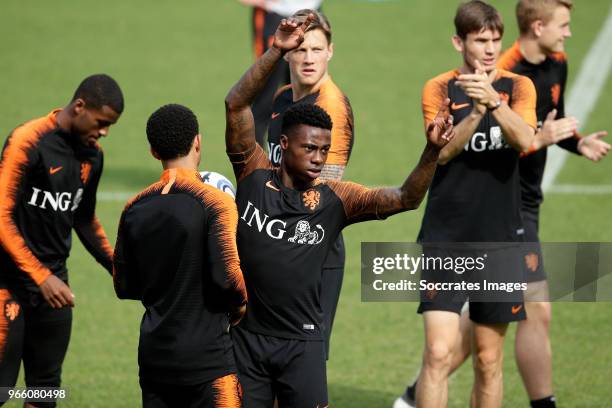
x=478, y=86
x=553, y=131
x=290, y=33
x=440, y=131
x=592, y=147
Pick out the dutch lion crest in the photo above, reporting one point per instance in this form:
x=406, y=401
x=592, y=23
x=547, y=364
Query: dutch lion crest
x=303, y=234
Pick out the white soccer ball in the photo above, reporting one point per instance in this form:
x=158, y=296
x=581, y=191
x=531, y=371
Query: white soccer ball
x=218, y=180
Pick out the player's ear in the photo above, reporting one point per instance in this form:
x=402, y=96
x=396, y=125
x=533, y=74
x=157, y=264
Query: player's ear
x=457, y=43
x=286, y=56
x=154, y=153
x=537, y=27
x=330, y=51
x=197, y=142
x=78, y=106
x=284, y=142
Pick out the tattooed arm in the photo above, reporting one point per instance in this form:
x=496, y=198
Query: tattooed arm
x=409, y=196
x=240, y=125
x=362, y=204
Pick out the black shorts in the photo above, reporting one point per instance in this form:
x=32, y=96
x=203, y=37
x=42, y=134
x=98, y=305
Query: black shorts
x=485, y=306
x=333, y=274
x=292, y=371
x=534, y=263
x=37, y=334
x=223, y=392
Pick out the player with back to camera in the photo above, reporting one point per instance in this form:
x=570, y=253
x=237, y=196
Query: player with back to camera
x=288, y=220
x=176, y=253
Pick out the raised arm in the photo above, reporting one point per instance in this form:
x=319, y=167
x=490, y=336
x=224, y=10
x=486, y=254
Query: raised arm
x=362, y=204
x=240, y=125
x=440, y=132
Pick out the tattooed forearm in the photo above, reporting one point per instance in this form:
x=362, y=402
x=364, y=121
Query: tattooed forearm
x=412, y=192
x=332, y=172
x=252, y=82
x=240, y=125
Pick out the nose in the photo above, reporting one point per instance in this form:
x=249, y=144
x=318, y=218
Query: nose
x=318, y=157
x=308, y=57
x=103, y=132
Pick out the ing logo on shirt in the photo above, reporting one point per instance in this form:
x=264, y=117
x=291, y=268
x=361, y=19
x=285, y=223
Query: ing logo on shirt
x=303, y=234
x=311, y=199
x=85, y=171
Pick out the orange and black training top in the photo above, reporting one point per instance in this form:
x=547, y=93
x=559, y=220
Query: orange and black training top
x=549, y=78
x=329, y=98
x=48, y=183
x=176, y=253
x=475, y=197
x=284, y=236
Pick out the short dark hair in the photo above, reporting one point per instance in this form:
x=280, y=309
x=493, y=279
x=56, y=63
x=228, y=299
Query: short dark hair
x=320, y=22
x=100, y=90
x=171, y=130
x=475, y=16
x=305, y=114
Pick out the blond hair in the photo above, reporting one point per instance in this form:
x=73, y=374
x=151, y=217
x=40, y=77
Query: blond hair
x=528, y=11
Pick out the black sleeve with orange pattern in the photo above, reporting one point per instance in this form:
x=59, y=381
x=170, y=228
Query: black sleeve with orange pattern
x=570, y=144
x=19, y=157
x=434, y=93
x=247, y=162
x=123, y=275
x=87, y=225
x=524, y=98
x=360, y=203
x=222, y=248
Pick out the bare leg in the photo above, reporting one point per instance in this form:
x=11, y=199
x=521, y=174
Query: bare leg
x=532, y=345
x=441, y=335
x=487, y=357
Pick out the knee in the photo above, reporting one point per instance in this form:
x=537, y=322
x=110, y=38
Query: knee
x=488, y=364
x=539, y=313
x=438, y=356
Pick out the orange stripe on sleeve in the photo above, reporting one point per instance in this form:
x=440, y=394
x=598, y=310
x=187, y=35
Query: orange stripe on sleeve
x=247, y=162
x=434, y=93
x=228, y=392
x=223, y=228
x=101, y=237
x=360, y=203
x=524, y=98
x=337, y=105
x=13, y=166
x=510, y=58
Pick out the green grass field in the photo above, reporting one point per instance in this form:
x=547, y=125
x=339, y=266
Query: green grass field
x=191, y=52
